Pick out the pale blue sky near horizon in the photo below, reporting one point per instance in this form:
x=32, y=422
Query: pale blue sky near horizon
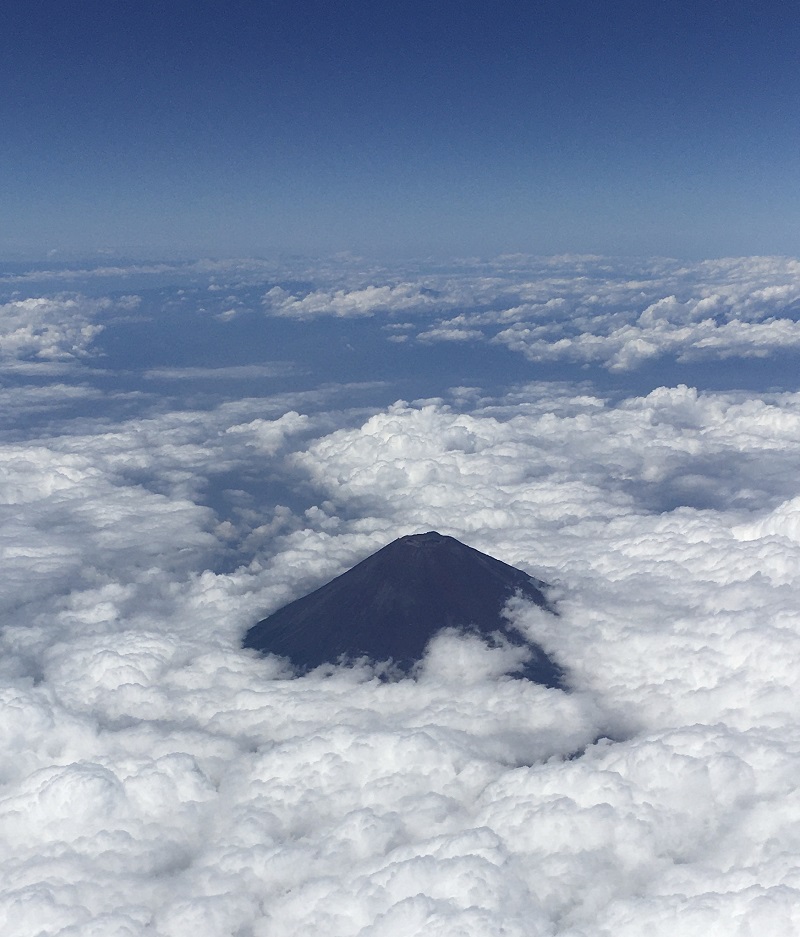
x=402, y=129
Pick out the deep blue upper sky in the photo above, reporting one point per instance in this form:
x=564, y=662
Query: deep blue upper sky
x=249, y=126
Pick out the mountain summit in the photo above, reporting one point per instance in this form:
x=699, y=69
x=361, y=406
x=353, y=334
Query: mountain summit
x=389, y=606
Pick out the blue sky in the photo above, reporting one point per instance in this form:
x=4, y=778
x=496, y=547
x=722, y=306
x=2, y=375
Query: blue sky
x=400, y=129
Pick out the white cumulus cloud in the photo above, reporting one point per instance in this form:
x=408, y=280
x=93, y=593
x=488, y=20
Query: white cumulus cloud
x=52, y=329
x=158, y=780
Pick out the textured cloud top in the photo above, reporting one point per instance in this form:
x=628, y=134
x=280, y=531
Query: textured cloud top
x=587, y=310
x=197, y=471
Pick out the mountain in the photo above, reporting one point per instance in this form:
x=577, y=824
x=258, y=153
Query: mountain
x=391, y=604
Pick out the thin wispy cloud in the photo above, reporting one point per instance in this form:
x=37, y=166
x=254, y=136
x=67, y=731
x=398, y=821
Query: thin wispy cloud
x=231, y=372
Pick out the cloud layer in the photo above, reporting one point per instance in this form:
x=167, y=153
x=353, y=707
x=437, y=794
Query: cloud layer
x=584, y=310
x=155, y=779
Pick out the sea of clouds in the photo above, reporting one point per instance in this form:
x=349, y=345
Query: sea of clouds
x=158, y=781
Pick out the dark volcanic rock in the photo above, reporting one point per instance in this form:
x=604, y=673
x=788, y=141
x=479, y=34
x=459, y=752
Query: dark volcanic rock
x=389, y=606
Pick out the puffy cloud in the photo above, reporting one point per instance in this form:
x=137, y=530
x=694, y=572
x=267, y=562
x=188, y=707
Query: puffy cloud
x=52, y=329
x=630, y=346
x=156, y=779
x=455, y=329
x=656, y=490
x=571, y=309
x=723, y=309
x=366, y=301
x=586, y=309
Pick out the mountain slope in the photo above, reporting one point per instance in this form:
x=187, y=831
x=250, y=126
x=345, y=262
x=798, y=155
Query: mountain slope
x=391, y=604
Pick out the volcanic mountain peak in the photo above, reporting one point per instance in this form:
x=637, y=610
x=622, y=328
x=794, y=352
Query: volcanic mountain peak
x=390, y=605
x=420, y=540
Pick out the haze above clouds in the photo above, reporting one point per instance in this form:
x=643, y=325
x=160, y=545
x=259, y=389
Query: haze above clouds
x=196, y=460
